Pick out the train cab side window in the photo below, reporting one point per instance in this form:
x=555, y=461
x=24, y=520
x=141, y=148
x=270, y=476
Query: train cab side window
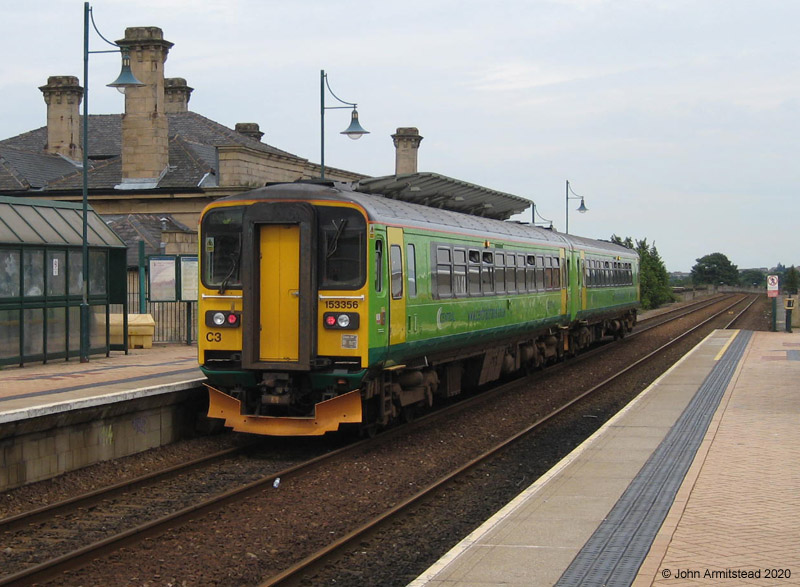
x=474, y=276
x=378, y=265
x=222, y=247
x=444, y=272
x=411, y=266
x=396, y=261
x=459, y=272
x=342, y=248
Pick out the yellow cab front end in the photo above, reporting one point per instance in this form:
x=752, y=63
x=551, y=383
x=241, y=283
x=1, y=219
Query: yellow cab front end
x=283, y=312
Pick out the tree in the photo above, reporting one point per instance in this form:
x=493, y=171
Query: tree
x=791, y=280
x=715, y=269
x=653, y=277
x=752, y=278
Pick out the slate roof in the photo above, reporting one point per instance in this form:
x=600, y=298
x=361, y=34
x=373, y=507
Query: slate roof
x=132, y=228
x=193, y=143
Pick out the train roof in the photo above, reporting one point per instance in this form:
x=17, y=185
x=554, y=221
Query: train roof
x=394, y=211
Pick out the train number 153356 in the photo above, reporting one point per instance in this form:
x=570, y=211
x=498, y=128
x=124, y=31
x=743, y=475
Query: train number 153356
x=341, y=304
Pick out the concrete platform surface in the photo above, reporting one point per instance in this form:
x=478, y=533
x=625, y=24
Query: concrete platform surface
x=733, y=508
x=41, y=389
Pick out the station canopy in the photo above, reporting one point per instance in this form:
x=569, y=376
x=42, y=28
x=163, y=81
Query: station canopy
x=439, y=191
x=38, y=222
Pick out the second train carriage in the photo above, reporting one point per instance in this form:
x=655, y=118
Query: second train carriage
x=322, y=306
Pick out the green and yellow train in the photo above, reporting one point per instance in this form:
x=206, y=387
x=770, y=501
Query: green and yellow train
x=322, y=306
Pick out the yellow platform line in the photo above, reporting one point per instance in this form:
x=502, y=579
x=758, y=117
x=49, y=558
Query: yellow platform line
x=726, y=345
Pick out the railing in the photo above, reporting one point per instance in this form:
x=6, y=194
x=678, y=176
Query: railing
x=174, y=320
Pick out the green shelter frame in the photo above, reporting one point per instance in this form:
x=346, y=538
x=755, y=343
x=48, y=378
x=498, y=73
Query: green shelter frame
x=41, y=280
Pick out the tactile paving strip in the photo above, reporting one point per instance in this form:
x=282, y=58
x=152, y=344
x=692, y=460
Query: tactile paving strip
x=616, y=550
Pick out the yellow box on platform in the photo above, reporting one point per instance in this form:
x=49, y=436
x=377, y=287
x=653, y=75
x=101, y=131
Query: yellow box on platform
x=141, y=328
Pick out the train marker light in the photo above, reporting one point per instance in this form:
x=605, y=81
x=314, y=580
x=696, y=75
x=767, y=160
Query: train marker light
x=343, y=320
x=219, y=318
x=330, y=320
x=232, y=319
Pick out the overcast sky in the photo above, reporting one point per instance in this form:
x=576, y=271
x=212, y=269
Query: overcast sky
x=677, y=120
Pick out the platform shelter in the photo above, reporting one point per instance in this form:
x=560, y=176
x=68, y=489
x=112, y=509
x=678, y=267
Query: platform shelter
x=41, y=280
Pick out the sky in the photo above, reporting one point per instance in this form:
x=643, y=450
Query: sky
x=677, y=121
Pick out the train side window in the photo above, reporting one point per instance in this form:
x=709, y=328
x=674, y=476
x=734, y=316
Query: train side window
x=396, y=261
x=444, y=272
x=487, y=273
x=474, y=277
x=379, y=265
x=511, y=273
x=556, y=273
x=548, y=272
x=500, y=272
x=459, y=272
x=539, y=272
x=411, y=263
x=521, y=273
x=530, y=273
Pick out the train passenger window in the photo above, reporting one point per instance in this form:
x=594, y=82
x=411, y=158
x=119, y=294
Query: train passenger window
x=411, y=266
x=530, y=273
x=548, y=272
x=511, y=273
x=500, y=272
x=221, y=234
x=444, y=272
x=487, y=274
x=539, y=272
x=396, y=261
x=487, y=257
x=379, y=265
x=556, y=273
x=521, y=273
x=459, y=272
x=341, y=249
x=474, y=277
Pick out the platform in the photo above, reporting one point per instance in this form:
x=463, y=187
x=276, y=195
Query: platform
x=40, y=389
x=64, y=415
x=696, y=481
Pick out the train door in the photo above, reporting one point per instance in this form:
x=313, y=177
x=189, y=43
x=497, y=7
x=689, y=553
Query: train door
x=279, y=311
x=397, y=294
x=278, y=281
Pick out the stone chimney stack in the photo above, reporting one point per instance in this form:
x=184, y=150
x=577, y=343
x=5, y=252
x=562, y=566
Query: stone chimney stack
x=176, y=94
x=145, y=141
x=406, y=143
x=249, y=129
x=63, y=96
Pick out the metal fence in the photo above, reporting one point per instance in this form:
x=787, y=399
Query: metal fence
x=174, y=320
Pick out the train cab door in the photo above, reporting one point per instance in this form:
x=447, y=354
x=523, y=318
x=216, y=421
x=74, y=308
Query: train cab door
x=279, y=268
x=397, y=293
x=278, y=286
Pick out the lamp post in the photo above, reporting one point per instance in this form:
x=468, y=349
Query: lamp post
x=354, y=131
x=544, y=222
x=126, y=79
x=582, y=208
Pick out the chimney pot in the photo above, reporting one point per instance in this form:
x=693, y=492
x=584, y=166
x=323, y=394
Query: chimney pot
x=249, y=129
x=63, y=96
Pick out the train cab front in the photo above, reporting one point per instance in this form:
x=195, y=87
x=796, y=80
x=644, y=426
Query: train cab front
x=283, y=338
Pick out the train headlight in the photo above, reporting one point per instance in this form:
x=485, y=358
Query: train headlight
x=340, y=320
x=217, y=319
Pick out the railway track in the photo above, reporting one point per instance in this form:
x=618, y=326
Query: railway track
x=311, y=565
x=244, y=492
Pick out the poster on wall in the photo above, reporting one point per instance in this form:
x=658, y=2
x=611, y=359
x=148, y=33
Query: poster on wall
x=163, y=272
x=188, y=278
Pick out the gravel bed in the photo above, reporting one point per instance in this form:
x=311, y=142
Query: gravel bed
x=248, y=542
